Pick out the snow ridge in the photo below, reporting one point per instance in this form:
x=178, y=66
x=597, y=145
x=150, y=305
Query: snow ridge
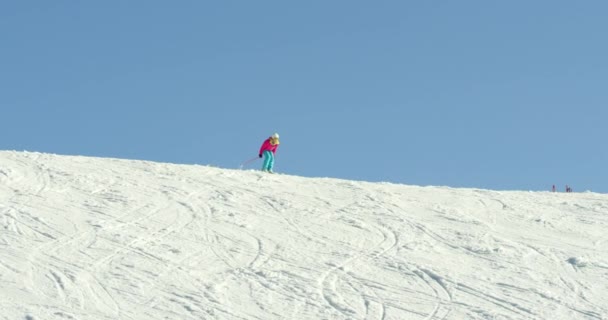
x=99, y=238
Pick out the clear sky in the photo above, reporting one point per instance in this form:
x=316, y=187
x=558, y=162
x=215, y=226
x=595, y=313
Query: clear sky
x=506, y=95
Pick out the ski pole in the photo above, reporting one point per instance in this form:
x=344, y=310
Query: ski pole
x=247, y=162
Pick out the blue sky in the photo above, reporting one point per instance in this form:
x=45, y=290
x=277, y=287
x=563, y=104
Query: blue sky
x=507, y=95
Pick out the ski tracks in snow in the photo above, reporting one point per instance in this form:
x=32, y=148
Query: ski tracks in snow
x=113, y=239
x=351, y=290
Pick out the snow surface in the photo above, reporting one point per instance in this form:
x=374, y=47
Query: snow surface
x=93, y=238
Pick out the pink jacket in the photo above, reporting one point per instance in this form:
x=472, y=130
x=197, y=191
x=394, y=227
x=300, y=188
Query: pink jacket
x=269, y=146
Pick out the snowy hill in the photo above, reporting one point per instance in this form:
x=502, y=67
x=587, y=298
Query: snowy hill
x=92, y=238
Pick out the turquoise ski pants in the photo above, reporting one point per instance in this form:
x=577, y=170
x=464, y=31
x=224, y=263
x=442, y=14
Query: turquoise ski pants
x=268, y=161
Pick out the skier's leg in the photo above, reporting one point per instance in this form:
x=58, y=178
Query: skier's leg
x=267, y=159
x=271, y=162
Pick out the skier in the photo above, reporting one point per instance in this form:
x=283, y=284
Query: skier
x=268, y=150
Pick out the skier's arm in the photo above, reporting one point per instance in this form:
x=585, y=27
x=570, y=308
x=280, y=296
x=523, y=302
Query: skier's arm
x=262, y=148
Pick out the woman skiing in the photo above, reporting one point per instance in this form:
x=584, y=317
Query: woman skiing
x=268, y=150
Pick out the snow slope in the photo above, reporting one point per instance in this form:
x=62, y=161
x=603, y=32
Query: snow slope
x=91, y=238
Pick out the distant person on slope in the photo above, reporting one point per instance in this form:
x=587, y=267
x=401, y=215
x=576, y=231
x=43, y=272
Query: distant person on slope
x=268, y=150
